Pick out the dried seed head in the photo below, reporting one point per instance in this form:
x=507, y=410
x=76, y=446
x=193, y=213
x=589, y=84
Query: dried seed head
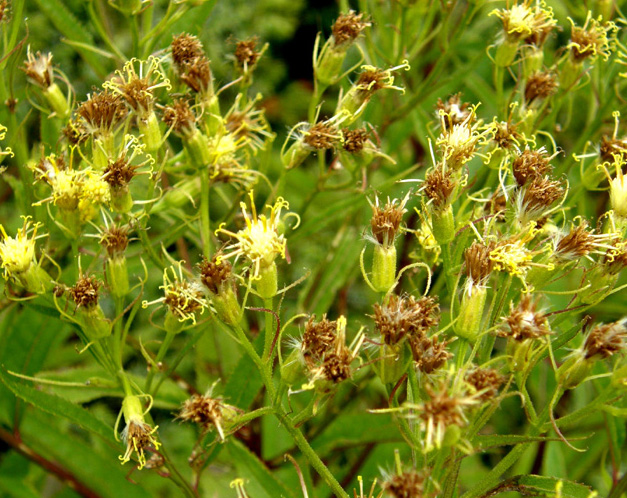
x=38, y=69
x=401, y=317
x=185, y=50
x=85, y=291
x=115, y=240
x=612, y=149
x=429, y=353
x=348, y=27
x=318, y=339
x=525, y=322
x=605, y=340
x=215, y=273
x=353, y=141
x=179, y=117
x=197, y=74
x=336, y=365
x=75, y=132
x=119, y=173
x=497, y=205
x=454, y=111
x=539, y=86
x=478, y=264
x=102, y=112
x=530, y=164
x=202, y=410
x=438, y=187
x=486, y=381
x=409, y=484
x=539, y=195
x=246, y=53
x=322, y=135
x=386, y=222
x=578, y=242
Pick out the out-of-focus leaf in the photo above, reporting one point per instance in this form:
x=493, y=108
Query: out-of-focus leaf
x=545, y=486
x=245, y=382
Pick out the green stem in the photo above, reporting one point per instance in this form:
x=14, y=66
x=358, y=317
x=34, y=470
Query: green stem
x=205, y=230
x=311, y=455
x=269, y=332
x=165, y=345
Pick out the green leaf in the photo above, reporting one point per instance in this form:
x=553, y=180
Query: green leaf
x=261, y=483
x=16, y=488
x=57, y=406
x=245, y=382
x=544, y=486
x=496, y=440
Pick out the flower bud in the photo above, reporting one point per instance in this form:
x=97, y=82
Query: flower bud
x=149, y=128
x=443, y=225
x=268, y=282
x=58, y=101
x=468, y=325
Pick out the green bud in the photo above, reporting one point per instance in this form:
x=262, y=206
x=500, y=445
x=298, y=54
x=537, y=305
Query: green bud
x=452, y=435
x=570, y=73
x=533, y=60
x=574, y=371
x=619, y=378
x=267, y=284
x=505, y=53
x=117, y=277
x=132, y=408
x=329, y=65
x=180, y=195
x=35, y=279
x=443, y=225
x=172, y=324
x=93, y=322
x=519, y=354
x=57, y=101
x=121, y=199
x=393, y=362
x=383, y=267
x=226, y=306
x=295, y=155
x=468, y=323
x=197, y=149
x=102, y=149
x=151, y=132
x=292, y=370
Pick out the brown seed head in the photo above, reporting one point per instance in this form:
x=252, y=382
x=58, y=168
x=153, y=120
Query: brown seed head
x=525, y=322
x=183, y=299
x=438, y=187
x=497, y=205
x=540, y=85
x=215, y=273
x=185, y=49
x=402, y=317
x=371, y=81
x=336, y=365
x=318, y=339
x=385, y=222
x=354, y=140
x=138, y=94
x=102, y=111
x=38, y=69
x=348, y=27
x=442, y=410
x=429, y=353
x=197, y=74
x=577, y=243
x=612, y=148
x=75, y=133
x=409, y=484
x=179, y=117
x=540, y=194
x=115, y=240
x=486, y=381
x=530, y=164
x=505, y=135
x=322, y=136
x=605, y=340
x=85, y=292
x=589, y=41
x=478, y=263
x=246, y=53
x=202, y=410
x=119, y=173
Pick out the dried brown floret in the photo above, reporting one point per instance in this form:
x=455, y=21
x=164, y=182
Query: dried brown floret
x=429, y=353
x=505, y=134
x=405, y=316
x=540, y=85
x=612, y=148
x=486, y=381
x=197, y=74
x=354, y=140
x=185, y=49
x=442, y=409
x=336, y=365
x=75, y=133
x=102, y=111
x=589, y=41
x=119, y=173
x=246, y=53
x=530, y=164
x=115, y=240
x=605, y=340
x=348, y=27
x=525, y=322
x=215, y=272
x=85, y=292
x=455, y=111
x=179, y=117
x=478, y=263
x=409, y=484
x=540, y=194
x=577, y=243
x=202, y=410
x=38, y=69
x=385, y=222
x=615, y=259
x=183, y=299
x=322, y=136
x=439, y=186
x=497, y=205
x=372, y=80
x=318, y=339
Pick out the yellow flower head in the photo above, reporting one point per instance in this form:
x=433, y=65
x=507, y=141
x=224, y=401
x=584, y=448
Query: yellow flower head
x=260, y=242
x=458, y=143
x=523, y=20
x=182, y=298
x=138, y=435
x=594, y=38
x=136, y=83
x=17, y=253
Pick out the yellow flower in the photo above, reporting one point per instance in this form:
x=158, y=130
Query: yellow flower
x=260, y=242
x=592, y=40
x=522, y=20
x=17, y=253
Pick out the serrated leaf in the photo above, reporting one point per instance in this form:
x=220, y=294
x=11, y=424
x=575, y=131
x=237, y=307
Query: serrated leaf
x=57, y=406
x=261, y=483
